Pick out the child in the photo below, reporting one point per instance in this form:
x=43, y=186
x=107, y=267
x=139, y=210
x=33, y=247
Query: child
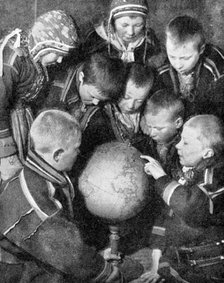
x=193, y=65
x=194, y=234
x=24, y=60
x=125, y=115
x=41, y=240
x=162, y=120
x=98, y=78
x=125, y=34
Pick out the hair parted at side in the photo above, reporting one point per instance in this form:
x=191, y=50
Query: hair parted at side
x=210, y=131
x=184, y=28
x=140, y=74
x=165, y=99
x=106, y=74
x=54, y=127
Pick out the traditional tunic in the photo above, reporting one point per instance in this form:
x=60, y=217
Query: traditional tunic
x=194, y=233
x=146, y=50
x=46, y=243
x=21, y=82
x=193, y=88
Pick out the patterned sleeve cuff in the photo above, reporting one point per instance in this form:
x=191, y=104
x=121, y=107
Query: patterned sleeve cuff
x=7, y=147
x=165, y=187
x=109, y=274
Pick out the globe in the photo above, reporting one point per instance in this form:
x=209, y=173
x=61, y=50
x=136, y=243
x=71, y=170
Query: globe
x=113, y=183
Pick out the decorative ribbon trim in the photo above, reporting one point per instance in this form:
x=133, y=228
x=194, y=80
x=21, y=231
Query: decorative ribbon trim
x=43, y=216
x=5, y=41
x=169, y=190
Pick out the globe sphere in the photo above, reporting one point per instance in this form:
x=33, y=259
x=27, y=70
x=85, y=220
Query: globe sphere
x=114, y=184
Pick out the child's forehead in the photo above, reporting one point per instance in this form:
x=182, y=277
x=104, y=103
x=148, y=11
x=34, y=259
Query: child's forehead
x=175, y=40
x=190, y=133
x=164, y=114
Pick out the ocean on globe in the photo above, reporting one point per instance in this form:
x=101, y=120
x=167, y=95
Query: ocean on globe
x=113, y=183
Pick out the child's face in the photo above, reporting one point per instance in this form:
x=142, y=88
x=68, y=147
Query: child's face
x=190, y=148
x=162, y=126
x=182, y=56
x=129, y=29
x=90, y=94
x=133, y=98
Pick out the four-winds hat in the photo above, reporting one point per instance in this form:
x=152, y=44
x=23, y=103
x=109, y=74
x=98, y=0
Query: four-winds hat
x=53, y=31
x=120, y=8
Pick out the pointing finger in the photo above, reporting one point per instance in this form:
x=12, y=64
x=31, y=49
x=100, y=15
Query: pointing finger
x=149, y=158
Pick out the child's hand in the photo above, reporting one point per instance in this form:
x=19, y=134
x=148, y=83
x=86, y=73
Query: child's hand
x=151, y=277
x=108, y=256
x=153, y=167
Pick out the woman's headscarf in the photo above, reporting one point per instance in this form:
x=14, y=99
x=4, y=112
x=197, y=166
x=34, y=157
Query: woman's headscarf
x=53, y=31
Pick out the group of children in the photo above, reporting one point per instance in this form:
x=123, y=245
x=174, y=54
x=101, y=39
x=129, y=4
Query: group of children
x=52, y=118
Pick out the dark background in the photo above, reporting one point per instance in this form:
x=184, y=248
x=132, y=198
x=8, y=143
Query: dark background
x=21, y=13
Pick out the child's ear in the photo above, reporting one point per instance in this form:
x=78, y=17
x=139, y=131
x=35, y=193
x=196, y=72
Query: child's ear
x=202, y=49
x=208, y=153
x=57, y=154
x=81, y=77
x=179, y=122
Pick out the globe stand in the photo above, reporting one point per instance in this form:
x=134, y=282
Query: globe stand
x=114, y=243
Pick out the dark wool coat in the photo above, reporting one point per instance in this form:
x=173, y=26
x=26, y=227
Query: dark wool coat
x=149, y=52
x=21, y=83
x=194, y=229
x=209, y=68
x=46, y=243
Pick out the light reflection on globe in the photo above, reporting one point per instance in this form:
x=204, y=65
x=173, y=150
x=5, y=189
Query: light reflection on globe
x=114, y=184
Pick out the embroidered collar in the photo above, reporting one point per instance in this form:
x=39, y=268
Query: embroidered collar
x=39, y=165
x=112, y=38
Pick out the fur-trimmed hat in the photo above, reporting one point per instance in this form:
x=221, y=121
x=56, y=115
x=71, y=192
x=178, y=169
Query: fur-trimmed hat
x=123, y=7
x=53, y=31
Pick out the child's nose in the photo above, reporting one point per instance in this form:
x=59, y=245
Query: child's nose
x=178, y=145
x=130, y=30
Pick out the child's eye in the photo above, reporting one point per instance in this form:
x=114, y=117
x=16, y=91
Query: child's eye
x=139, y=25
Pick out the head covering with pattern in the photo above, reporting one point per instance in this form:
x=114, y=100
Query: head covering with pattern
x=120, y=8
x=53, y=31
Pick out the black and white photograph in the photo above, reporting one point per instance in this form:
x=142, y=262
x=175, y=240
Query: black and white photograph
x=111, y=141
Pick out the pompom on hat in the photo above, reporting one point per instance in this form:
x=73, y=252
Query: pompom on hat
x=53, y=31
x=120, y=8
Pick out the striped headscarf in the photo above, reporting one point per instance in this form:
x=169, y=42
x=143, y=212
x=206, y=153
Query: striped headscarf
x=120, y=8
x=53, y=31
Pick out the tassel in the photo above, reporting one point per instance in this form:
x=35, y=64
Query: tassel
x=6, y=39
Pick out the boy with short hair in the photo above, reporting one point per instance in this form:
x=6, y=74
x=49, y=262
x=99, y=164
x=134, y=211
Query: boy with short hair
x=25, y=59
x=193, y=64
x=194, y=232
x=79, y=89
x=162, y=120
x=125, y=114
x=39, y=239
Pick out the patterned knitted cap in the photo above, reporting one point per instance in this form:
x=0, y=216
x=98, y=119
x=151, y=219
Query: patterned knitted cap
x=53, y=31
x=123, y=7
